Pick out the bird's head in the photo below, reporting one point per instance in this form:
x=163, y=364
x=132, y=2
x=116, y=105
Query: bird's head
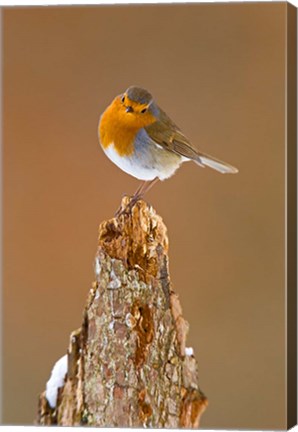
x=135, y=108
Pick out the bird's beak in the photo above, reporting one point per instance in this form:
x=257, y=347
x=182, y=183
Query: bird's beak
x=129, y=109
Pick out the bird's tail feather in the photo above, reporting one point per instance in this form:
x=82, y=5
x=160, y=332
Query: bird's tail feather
x=218, y=165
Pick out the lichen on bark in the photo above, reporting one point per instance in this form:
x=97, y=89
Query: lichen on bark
x=127, y=364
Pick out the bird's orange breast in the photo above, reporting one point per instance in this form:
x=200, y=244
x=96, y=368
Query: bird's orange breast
x=112, y=132
x=119, y=128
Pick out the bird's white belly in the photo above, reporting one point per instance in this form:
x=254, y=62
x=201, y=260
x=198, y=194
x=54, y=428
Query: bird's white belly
x=139, y=166
x=130, y=165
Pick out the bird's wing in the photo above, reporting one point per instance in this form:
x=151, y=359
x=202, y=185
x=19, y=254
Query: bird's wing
x=165, y=133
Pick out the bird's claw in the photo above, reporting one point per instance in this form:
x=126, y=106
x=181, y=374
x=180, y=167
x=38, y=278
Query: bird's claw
x=121, y=210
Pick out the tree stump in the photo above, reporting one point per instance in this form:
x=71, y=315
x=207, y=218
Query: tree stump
x=128, y=365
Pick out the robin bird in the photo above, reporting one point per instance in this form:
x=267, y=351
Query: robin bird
x=139, y=137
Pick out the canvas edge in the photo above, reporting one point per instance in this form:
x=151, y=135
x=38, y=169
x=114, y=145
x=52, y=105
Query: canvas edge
x=1, y=217
x=291, y=215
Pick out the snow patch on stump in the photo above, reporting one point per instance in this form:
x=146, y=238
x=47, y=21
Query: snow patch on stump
x=56, y=380
x=189, y=351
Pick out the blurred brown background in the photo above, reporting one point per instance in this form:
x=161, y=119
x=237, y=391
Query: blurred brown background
x=218, y=70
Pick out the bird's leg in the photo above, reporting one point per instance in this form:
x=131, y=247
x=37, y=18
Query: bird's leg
x=144, y=187
x=138, y=192
x=120, y=210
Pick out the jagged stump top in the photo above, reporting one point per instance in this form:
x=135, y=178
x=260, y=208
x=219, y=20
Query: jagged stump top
x=138, y=237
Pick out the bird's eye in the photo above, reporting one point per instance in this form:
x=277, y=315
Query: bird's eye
x=144, y=110
x=123, y=99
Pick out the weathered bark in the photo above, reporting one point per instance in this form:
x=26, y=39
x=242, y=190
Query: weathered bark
x=127, y=364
